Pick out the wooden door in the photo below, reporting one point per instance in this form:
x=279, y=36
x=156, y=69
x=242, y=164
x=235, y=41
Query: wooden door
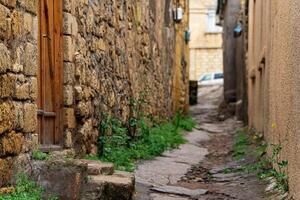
x=50, y=73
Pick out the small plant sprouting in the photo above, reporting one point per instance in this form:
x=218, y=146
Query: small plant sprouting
x=266, y=166
x=141, y=137
x=24, y=189
x=39, y=155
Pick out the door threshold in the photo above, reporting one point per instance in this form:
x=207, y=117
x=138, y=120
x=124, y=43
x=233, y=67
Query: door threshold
x=50, y=147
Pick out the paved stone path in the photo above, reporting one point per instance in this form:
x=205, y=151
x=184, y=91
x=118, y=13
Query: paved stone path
x=195, y=170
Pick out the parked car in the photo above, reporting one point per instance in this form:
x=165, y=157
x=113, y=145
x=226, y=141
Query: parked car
x=211, y=79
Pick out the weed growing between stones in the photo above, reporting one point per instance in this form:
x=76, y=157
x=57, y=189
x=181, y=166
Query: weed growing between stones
x=265, y=166
x=39, y=155
x=117, y=145
x=25, y=189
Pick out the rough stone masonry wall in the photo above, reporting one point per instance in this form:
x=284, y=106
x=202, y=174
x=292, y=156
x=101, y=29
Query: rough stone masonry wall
x=18, y=82
x=114, y=51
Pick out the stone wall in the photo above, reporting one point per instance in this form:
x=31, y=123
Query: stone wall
x=18, y=82
x=114, y=51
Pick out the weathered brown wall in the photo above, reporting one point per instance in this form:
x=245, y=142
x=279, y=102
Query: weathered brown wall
x=18, y=83
x=273, y=69
x=113, y=52
x=121, y=49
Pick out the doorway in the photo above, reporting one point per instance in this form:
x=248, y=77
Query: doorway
x=50, y=102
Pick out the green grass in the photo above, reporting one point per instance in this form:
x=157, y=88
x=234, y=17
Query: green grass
x=25, y=190
x=264, y=166
x=241, y=144
x=124, y=151
x=38, y=155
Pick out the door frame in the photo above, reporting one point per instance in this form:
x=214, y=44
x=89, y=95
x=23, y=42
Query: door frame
x=57, y=61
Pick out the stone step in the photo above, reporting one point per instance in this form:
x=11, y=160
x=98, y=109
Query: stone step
x=119, y=186
x=99, y=168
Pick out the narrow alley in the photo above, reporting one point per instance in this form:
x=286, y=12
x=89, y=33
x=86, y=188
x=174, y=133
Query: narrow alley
x=149, y=100
x=196, y=169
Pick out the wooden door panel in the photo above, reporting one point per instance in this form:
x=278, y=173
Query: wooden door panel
x=49, y=76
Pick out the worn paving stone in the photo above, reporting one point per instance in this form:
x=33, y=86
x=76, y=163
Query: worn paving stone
x=167, y=197
x=180, y=191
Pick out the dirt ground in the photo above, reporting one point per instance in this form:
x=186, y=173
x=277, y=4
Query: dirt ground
x=196, y=169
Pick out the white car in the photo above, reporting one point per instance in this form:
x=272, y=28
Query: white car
x=211, y=79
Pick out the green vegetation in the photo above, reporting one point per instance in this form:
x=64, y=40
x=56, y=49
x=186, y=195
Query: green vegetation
x=25, y=190
x=265, y=166
x=241, y=144
x=120, y=147
x=38, y=155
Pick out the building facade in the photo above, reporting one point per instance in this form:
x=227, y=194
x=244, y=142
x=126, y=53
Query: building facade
x=206, y=53
x=63, y=63
x=271, y=29
x=273, y=81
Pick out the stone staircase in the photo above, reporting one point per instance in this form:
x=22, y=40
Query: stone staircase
x=104, y=183
x=76, y=179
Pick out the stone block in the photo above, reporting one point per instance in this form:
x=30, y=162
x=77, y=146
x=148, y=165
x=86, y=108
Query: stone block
x=62, y=178
x=70, y=26
x=30, y=64
x=19, y=115
x=5, y=61
x=78, y=93
x=28, y=23
x=84, y=108
x=69, y=73
x=31, y=142
x=68, y=139
x=98, y=44
x=69, y=6
x=9, y=3
x=68, y=95
x=4, y=22
x=18, y=59
x=30, y=118
x=22, y=91
x=86, y=129
x=7, y=85
x=115, y=187
x=6, y=117
x=29, y=5
x=17, y=23
x=6, y=171
x=69, y=118
x=11, y=144
x=69, y=48
x=99, y=168
x=33, y=88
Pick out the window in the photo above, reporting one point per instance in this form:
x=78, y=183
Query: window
x=206, y=77
x=211, y=26
x=218, y=76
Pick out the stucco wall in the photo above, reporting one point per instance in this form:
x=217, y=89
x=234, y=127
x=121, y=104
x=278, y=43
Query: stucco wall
x=274, y=65
x=114, y=51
